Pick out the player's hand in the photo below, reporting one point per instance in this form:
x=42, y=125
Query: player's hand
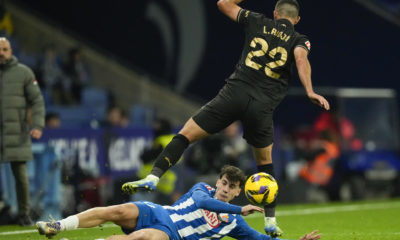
x=36, y=133
x=249, y=209
x=311, y=236
x=319, y=100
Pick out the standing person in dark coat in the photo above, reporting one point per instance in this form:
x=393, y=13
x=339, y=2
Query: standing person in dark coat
x=18, y=92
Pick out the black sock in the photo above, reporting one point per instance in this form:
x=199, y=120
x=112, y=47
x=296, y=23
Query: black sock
x=170, y=155
x=267, y=168
x=269, y=209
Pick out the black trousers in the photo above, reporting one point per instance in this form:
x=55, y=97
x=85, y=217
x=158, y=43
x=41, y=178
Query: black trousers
x=22, y=187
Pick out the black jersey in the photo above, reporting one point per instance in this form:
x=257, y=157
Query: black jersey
x=264, y=68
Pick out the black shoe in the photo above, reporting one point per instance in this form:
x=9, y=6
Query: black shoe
x=6, y=217
x=25, y=221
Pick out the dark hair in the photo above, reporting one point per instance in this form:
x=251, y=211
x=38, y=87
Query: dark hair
x=287, y=11
x=233, y=174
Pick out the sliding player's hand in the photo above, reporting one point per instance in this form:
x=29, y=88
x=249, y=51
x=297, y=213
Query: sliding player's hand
x=311, y=236
x=249, y=209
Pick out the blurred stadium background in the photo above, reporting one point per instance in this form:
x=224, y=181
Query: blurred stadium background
x=137, y=62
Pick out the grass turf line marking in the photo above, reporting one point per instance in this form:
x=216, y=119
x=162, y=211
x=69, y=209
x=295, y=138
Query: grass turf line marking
x=18, y=232
x=108, y=225
x=332, y=209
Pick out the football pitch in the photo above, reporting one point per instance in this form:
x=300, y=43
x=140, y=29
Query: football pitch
x=365, y=220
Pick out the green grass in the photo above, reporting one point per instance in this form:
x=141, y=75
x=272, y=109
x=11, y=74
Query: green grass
x=367, y=220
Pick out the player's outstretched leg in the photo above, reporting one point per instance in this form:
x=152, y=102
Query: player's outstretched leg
x=271, y=227
x=147, y=184
x=49, y=229
x=166, y=159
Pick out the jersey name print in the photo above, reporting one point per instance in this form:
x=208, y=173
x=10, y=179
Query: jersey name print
x=277, y=33
x=264, y=68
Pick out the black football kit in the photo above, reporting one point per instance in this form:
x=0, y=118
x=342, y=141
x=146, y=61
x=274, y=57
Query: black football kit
x=260, y=81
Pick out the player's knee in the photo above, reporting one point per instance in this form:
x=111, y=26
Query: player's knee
x=192, y=131
x=119, y=210
x=116, y=212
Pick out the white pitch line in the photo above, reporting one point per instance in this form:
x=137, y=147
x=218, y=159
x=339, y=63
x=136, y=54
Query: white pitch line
x=347, y=208
x=108, y=225
x=18, y=232
x=333, y=209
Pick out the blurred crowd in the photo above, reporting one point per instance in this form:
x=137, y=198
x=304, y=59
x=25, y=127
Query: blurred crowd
x=62, y=79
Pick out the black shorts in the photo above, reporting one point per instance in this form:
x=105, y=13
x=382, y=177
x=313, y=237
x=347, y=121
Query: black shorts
x=233, y=103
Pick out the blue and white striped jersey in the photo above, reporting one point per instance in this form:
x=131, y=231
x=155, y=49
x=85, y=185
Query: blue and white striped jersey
x=213, y=220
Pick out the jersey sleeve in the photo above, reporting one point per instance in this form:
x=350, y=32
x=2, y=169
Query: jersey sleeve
x=304, y=42
x=245, y=232
x=203, y=199
x=246, y=17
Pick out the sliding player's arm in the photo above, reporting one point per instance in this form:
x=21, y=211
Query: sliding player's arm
x=230, y=8
x=204, y=201
x=243, y=231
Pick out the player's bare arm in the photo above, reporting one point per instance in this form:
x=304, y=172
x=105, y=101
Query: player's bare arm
x=311, y=236
x=304, y=71
x=230, y=8
x=249, y=209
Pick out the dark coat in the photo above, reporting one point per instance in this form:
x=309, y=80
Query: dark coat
x=18, y=91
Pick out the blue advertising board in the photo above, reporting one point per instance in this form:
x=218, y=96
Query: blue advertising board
x=99, y=152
